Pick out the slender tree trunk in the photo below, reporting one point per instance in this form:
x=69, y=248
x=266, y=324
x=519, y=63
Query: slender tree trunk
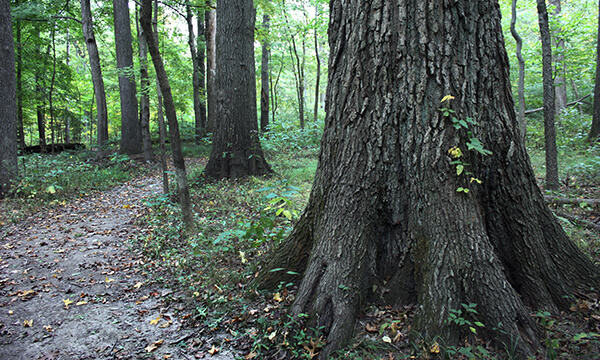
x=178, y=160
x=558, y=61
x=298, y=65
x=41, y=115
x=19, y=66
x=98, y=81
x=595, y=129
x=198, y=125
x=211, y=67
x=264, y=77
x=131, y=134
x=385, y=222
x=8, y=102
x=521, y=86
x=145, y=95
x=200, y=58
x=549, y=108
x=318, y=74
x=236, y=150
x=51, y=92
x=162, y=129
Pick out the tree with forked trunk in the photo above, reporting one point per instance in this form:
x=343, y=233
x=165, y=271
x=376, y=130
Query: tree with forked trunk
x=413, y=205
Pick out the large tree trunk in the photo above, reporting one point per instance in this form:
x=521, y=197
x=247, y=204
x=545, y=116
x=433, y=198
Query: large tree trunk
x=595, y=129
x=385, y=221
x=549, y=109
x=97, y=80
x=236, y=150
x=264, y=77
x=8, y=102
x=211, y=67
x=161, y=74
x=131, y=134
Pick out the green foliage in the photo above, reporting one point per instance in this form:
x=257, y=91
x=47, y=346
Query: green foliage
x=61, y=176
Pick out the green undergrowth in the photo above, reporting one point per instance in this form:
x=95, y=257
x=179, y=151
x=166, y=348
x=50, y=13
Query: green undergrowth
x=49, y=179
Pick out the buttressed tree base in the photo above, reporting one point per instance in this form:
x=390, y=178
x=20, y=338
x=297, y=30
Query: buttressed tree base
x=419, y=201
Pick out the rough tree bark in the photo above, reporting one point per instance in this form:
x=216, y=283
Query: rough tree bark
x=161, y=74
x=8, y=102
x=131, y=134
x=521, y=86
x=236, y=150
x=549, y=109
x=264, y=76
x=318, y=73
x=200, y=60
x=385, y=221
x=97, y=80
x=595, y=129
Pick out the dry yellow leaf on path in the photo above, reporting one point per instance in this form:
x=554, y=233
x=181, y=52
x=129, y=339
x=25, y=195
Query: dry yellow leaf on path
x=155, y=321
x=81, y=303
x=67, y=302
x=138, y=285
x=28, y=323
x=213, y=350
x=109, y=280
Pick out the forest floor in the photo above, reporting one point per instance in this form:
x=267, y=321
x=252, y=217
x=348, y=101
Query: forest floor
x=71, y=286
x=76, y=282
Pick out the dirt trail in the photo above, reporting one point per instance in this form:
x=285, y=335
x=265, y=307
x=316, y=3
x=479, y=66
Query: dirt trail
x=72, y=288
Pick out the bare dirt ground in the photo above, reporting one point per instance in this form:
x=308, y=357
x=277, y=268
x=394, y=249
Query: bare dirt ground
x=72, y=287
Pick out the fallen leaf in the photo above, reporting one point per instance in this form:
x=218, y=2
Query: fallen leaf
x=277, y=297
x=138, y=285
x=154, y=345
x=28, y=323
x=250, y=355
x=81, y=303
x=67, y=302
x=272, y=335
x=435, y=348
x=213, y=350
x=155, y=321
x=48, y=328
x=10, y=312
x=386, y=339
x=370, y=328
x=167, y=324
x=109, y=280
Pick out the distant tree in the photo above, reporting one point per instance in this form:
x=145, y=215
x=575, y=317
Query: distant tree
x=558, y=61
x=236, y=150
x=144, y=95
x=131, y=134
x=97, y=80
x=211, y=65
x=8, y=102
x=200, y=61
x=264, y=76
x=417, y=202
x=521, y=83
x=595, y=129
x=178, y=160
x=199, y=117
x=549, y=107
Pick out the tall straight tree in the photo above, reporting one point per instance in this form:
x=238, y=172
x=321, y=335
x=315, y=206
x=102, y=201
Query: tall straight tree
x=236, y=150
x=549, y=106
x=264, y=76
x=8, y=102
x=131, y=134
x=97, y=80
x=200, y=61
x=389, y=220
x=521, y=82
x=595, y=129
x=198, y=117
x=558, y=59
x=211, y=65
x=145, y=94
x=161, y=74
